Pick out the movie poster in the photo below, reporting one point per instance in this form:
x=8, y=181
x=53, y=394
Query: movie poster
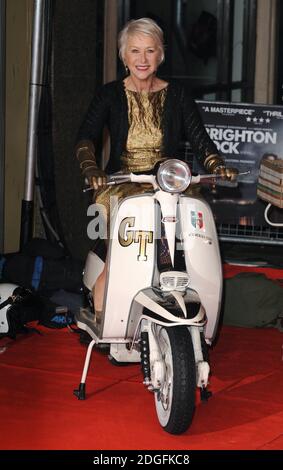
x=243, y=134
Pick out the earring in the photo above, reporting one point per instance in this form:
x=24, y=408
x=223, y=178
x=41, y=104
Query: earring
x=126, y=68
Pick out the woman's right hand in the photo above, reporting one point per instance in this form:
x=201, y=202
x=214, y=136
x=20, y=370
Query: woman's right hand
x=96, y=177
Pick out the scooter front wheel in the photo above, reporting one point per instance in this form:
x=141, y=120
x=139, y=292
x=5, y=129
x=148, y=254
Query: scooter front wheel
x=175, y=401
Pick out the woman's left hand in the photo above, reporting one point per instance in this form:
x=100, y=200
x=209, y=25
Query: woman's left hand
x=226, y=173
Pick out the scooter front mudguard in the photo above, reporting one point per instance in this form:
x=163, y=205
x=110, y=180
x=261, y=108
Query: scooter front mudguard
x=167, y=309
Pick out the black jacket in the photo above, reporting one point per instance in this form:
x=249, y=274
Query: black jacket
x=180, y=119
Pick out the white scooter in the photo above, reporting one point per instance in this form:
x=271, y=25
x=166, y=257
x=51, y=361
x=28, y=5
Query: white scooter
x=163, y=290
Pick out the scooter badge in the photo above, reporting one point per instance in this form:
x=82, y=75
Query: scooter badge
x=197, y=219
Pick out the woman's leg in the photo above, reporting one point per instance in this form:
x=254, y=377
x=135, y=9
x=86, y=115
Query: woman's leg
x=102, y=198
x=98, y=294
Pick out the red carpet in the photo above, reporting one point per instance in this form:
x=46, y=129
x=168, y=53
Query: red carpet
x=39, y=411
x=230, y=270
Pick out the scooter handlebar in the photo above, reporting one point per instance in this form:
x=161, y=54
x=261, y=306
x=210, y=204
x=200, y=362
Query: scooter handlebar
x=131, y=177
x=212, y=178
x=119, y=178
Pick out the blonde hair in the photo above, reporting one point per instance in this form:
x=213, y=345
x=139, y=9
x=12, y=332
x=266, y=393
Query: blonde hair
x=143, y=26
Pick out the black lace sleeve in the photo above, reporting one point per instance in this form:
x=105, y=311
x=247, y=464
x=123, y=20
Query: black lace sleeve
x=201, y=143
x=95, y=118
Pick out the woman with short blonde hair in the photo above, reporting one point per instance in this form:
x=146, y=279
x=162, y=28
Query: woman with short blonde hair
x=146, y=117
x=141, y=26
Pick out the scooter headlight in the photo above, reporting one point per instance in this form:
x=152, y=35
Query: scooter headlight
x=174, y=176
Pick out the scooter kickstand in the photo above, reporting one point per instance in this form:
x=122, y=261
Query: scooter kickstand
x=205, y=394
x=80, y=392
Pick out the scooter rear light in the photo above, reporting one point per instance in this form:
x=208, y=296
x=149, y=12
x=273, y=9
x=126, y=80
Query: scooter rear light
x=174, y=280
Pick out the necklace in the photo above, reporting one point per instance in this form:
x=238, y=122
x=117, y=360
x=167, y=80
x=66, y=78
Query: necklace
x=132, y=86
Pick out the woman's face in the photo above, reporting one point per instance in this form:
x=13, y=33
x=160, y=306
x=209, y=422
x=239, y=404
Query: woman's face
x=142, y=56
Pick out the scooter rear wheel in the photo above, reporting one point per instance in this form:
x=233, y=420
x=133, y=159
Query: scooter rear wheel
x=175, y=402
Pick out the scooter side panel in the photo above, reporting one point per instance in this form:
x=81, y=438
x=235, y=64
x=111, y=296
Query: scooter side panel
x=131, y=261
x=202, y=256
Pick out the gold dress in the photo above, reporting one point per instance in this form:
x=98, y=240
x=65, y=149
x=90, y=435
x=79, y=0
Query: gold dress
x=143, y=149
